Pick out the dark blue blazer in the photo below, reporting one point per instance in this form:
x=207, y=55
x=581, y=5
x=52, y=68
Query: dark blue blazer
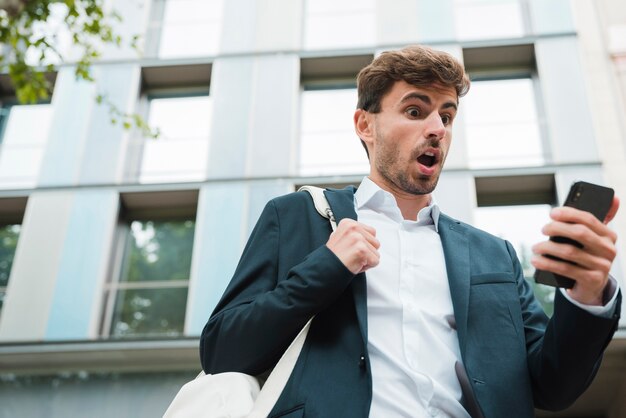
x=514, y=357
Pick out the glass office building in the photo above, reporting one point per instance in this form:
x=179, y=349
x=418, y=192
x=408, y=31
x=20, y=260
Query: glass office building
x=115, y=247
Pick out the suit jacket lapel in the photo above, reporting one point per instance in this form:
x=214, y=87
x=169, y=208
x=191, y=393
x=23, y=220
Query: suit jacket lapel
x=342, y=204
x=456, y=253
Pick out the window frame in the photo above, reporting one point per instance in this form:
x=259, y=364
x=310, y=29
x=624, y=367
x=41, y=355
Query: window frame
x=518, y=73
x=144, y=206
x=137, y=142
x=12, y=211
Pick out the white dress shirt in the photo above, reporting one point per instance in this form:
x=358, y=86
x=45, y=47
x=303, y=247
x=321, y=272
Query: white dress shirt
x=412, y=346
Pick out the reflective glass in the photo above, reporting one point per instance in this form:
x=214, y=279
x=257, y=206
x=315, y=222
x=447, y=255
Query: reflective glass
x=329, y=144
x=158, y=251
x=180, y=153
x=343, y=24
x=23, y=144
x=149, y=312
x=521, y=226
x=9, y=234
x=488, y=19
x=27, y=125
x=502, y=126
x=190, y=28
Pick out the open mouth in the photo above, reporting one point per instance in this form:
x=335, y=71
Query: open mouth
x=427, y=159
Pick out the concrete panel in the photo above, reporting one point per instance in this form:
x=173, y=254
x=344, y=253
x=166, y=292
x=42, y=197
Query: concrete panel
x=84, y=262
x=73, y=102
x=227, y=213
x=238, y=26
x=260, y=194
x=272, y=143
x=231, y=90
x=567, y=109
x=35, y=267
x=102, y=156
x=218, y=242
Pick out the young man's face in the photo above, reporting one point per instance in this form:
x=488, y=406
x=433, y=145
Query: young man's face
x=410, y=137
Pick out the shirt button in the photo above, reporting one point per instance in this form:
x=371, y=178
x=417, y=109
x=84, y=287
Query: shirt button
x=362, y=361
x=433, y=411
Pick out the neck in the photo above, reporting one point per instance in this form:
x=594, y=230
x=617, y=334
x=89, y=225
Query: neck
x=409, y=204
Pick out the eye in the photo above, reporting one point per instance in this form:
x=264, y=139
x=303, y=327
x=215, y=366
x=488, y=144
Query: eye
x=413, y=112
x=446, y=119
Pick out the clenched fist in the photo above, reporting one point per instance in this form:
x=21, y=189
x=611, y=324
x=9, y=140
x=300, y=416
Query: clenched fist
x=355, y=244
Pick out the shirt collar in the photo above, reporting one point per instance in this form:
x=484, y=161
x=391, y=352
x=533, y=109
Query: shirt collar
x=369, y=195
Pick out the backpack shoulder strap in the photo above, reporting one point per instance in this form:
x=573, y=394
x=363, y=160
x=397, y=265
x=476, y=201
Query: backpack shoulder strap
x=321, y=203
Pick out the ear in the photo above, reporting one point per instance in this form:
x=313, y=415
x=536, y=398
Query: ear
x=364, y=126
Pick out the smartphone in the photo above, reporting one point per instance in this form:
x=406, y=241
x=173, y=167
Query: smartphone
x=584, y=196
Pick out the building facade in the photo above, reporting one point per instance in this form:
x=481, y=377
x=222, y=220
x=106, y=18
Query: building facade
x=116, y=246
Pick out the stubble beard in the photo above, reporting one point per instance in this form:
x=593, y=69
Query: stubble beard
x=388, y=165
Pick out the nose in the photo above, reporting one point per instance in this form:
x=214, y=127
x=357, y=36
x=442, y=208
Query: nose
x=435, y=129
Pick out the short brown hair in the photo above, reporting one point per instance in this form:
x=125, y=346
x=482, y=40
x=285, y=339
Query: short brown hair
x=417, y=65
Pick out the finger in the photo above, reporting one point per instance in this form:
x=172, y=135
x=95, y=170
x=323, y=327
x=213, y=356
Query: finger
x=368, y=256
x=371, y=238
x=601, y=243
x=365, y=230
x=595, y=279
x=571, y=215
x=612, y=211
x=576, y=255
x=370, y=229
x=347, y=223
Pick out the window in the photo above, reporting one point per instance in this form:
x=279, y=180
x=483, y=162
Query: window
x=339, y=24
x=476, y=19
x=25, y=130
x=180, y=153
x=9, y=235
x=329, y=145
x=516, y=208
x=502, y=126
x=148, y=297
x=184, y=28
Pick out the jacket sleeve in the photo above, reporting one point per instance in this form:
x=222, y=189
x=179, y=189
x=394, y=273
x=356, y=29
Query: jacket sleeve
x=564, y=356
x=260, y=313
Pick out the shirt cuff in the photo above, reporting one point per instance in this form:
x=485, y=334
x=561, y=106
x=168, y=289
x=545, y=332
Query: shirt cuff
x=608, y=299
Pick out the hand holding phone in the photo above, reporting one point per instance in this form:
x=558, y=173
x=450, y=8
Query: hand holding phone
x=584, y=196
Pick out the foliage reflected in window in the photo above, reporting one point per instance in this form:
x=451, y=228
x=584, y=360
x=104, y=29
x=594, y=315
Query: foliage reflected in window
x=521, y=226
x=9, y=235
x=328, y=143
x=151, y=294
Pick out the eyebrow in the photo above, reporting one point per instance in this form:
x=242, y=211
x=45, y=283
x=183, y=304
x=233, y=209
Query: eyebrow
x=424, y=98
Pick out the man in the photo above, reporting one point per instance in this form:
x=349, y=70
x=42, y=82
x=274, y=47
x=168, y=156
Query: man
x=416, y=314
